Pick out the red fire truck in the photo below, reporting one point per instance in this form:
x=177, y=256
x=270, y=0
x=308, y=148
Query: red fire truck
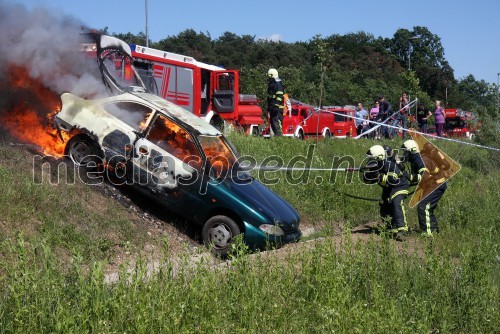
x=208, y=91
x=458, y=123
x=305, y=121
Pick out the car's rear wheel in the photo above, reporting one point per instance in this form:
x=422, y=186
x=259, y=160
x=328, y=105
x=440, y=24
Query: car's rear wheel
x=218, y=233
x=83, y=151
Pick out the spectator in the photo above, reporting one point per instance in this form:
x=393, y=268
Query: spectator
x=403, y=109
x=374, y=116
x=422, y=115
x=439, y=118
x=365, y=125
x=403, y=102
x=360, y=115
x=385, y=111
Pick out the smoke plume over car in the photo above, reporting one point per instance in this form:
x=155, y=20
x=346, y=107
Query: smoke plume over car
x=40, y=58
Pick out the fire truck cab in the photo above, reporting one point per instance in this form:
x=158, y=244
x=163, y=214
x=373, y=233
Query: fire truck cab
x=208, y=91
x=343, y=126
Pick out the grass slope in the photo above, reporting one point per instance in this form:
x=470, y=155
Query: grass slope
x=332, y=284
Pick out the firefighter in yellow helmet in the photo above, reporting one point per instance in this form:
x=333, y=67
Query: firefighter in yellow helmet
x=433, y=178
x=385, y=171
x=275, y=105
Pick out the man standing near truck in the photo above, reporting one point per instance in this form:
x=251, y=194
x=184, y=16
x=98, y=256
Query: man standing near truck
x=385, y=111
x=275, y=105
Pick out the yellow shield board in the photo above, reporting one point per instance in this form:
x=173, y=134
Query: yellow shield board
x=440, y=168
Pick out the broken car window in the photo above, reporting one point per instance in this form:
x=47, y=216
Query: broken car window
x=133, y=114
x=175, y=140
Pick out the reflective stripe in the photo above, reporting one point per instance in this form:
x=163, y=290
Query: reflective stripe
x=384, y=180
x=397, y=193
x=441, y=180
x=394, y=175
x=428, y=218
x=423, y=169
x=399, y=229
x=405, y=228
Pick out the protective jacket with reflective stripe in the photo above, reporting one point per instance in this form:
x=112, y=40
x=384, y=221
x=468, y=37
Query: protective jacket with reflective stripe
x=275, y=93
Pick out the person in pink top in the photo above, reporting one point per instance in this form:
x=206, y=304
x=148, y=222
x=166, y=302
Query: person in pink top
x=374, y=117
x=439, y=118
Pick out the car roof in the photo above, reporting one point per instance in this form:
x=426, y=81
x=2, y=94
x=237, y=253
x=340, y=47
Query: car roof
x=179, y=114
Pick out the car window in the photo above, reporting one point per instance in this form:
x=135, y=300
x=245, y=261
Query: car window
x=175, y=140
x=219, y=154
x=133, y=114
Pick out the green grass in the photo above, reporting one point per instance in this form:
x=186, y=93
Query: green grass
x=72, y=218
x=449, y=284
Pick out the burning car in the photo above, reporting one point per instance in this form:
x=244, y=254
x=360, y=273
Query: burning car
x=177, y=158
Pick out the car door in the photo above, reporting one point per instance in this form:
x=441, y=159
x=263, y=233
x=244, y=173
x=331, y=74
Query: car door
x=165, y=156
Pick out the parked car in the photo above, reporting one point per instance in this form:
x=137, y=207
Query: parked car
x=174, y=156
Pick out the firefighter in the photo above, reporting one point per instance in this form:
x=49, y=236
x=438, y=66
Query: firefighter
x=275, y=105
x=386, y=172
x=432, y=177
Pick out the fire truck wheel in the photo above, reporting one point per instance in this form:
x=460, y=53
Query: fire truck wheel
x=300, y=135
x=218, y=233
x=83, y=151
x=328, y=135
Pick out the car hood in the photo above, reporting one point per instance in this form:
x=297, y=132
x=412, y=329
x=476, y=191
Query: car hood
x=265, y=201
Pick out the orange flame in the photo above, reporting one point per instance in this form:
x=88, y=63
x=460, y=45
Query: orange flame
x=30, y=111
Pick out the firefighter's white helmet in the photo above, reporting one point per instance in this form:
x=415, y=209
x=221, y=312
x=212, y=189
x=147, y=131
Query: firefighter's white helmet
x=272, y=73
x=377, y=152
x=410, y=146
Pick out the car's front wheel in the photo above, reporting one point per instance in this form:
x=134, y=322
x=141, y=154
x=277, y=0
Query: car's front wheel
x=218, y=233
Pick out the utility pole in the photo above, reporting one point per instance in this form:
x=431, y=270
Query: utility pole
x=498, y=87
x=410, y=50
x=147, y=35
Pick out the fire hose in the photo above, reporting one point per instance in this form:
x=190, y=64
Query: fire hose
x=346, y=169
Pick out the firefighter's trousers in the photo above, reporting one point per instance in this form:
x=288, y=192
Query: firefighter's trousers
x=392, y=210
x=276, y=120
x=426, y=218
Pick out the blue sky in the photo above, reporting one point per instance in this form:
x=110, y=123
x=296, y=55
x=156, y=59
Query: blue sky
x=469, y=30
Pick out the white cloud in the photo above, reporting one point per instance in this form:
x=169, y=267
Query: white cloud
x=272, y=38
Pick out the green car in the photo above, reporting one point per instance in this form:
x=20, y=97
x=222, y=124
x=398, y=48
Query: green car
x=175, y=157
